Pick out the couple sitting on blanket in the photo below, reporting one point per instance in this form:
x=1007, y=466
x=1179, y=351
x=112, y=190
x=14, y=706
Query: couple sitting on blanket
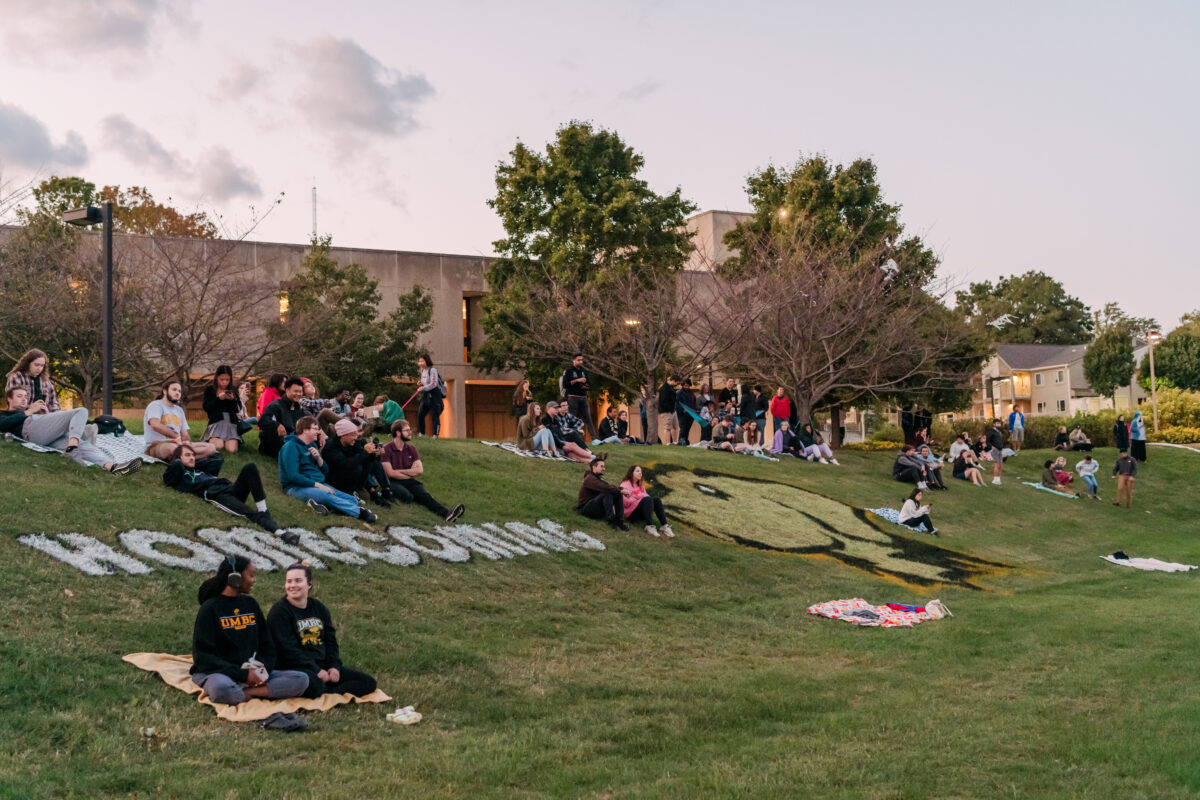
x=293, y=652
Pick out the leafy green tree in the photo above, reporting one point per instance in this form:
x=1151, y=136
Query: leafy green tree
x=1111, y=316
x=1176, y=360
x=134, y=209
x=1028, y=309
x=1108, y=363
x=333, y=332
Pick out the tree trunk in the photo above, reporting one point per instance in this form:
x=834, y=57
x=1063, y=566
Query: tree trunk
x=835, y=426
x=650, y=435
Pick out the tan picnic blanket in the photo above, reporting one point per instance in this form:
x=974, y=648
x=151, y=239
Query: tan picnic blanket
x=174, y=670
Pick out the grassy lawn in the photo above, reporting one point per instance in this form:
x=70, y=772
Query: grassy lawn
x=657, y=668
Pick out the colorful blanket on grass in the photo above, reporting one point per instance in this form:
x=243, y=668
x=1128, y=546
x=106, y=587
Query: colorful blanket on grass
x=1063, y=493
x=888, y=615
x=175, y=671
x=1152, y=564
x=516, y=451
x=893, y=516
x=119, y=448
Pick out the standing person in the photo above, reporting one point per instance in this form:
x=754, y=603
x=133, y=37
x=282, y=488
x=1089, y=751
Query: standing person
x=708, y=413
x=306, y=641
x=1137, y=437
x=995, y=445
x=402, y=465
x=728, y=394
x=224, y=408
x=1016, y=429
x=1087, y=469
x=668, y=423
x=685, y=406
x=781, y=409
x=233, y=656
x=913, y=514
x=1121, y=433
x=31, y=374
x=272, y=392
x=432, y=396
x=522, y=397
x=575, y=384
x=303, y=471
x=755, y=407
x=908, y=424
x=203, y=479
x=599, y=499
x=61, y=430
x=166, y=425
x=640, y=505
x=279, y=419
x=1125, y=471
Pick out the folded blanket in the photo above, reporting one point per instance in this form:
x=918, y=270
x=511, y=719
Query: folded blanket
x=174, y=670
x=516, y=451
x=1152, y=564
x=1062, y=493
x=119, y=448
x=888, y=615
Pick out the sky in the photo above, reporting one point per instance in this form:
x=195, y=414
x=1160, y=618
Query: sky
x=1020, y=136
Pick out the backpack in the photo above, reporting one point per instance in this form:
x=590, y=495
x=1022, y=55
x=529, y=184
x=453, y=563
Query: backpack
x=441, y=387
x=108, y=424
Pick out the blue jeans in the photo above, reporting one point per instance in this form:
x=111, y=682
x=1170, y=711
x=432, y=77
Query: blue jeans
x=543, y=440
x=339, y=501
x=222, y=689
x=1093, y=487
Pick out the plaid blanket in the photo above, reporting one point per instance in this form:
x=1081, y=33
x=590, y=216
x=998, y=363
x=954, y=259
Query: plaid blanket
x=889, y=615
x=516, y=451
x=120, y=448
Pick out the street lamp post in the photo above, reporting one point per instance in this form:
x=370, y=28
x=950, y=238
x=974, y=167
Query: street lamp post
x=83, y=217
x=1153, y=338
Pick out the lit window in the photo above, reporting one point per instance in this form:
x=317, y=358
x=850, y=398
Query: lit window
x=283, y=306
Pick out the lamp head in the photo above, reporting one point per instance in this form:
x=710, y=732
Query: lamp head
x=89, y=215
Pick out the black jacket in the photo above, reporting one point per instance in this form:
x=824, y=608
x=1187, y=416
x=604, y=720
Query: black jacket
x=348, y=466
x=228, y=631
x=666, y=399
x=281, y=412
x=204, y=478
x=575, y=389
x=304, y=637
x=217, y=409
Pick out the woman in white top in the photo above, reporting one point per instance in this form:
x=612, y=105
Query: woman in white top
x=431, y=396
x=752, y=441
x=913, y=514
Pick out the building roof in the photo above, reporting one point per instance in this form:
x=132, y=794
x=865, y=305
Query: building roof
x=1033, y=356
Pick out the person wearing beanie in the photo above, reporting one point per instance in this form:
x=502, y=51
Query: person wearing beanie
x=354, y=463
x=303, y=474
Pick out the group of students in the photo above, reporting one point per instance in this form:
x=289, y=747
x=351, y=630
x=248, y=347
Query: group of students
x=239, y=653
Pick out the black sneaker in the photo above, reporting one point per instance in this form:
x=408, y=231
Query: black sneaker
x=367, y=515
x=290, y=537
x=455, y=512
x=127, y=467
x=319, y=508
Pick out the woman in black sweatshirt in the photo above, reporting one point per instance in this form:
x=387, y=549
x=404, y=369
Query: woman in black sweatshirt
x=233, y=656
x=306, y=641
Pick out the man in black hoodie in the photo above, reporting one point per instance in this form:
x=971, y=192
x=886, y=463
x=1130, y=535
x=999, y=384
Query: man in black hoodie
x=354, y=464
x=599, y=499
x=668, y=423
x=279, y=418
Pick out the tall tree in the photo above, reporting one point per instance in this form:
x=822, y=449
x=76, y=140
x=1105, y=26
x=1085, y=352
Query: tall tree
x=1028, y=309
x=1112, y=316
x=1108, y=363
x=579, y=221
x=134, y=209
x=1176, y=359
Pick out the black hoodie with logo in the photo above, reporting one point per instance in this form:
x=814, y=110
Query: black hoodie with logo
x=229, y=630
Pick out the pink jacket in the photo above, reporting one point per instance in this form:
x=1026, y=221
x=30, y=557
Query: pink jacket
x=631, y=500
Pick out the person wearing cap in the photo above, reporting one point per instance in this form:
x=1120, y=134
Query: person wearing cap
x=566, y=442
x=599, y=499
x=354, y=464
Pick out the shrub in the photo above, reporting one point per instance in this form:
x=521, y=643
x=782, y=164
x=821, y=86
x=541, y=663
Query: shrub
x=874, y=445
x=1176, y=408
x=888, y=433
x=1177, y=434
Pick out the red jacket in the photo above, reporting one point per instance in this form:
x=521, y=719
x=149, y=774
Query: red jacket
x=781, y=407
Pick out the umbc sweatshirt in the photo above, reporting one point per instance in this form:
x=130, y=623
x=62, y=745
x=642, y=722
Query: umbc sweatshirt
x=304, y=637
x=229, y=630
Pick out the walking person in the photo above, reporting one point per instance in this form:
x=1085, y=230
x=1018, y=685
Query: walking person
x=432, y=396
x=575, y=384
x=1137, y=437
x=1125, y=471
x=685, y=406
x=995, y=445
x=522, y=397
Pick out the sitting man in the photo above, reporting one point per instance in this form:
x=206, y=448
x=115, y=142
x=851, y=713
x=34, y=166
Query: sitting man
x=570, y=444
x=610, y=429
x=1062, y=440
x=387, y=412
x=1079, y=440
x=909, y=468
x=203, y=479
x=166, y=425
x=933, y=467
x=402, y=464
x=599, y=499
x=61, y=430
x=302, y=473
x=341, y=403
x=279, y=418
x=354, y=464
x=724, y=435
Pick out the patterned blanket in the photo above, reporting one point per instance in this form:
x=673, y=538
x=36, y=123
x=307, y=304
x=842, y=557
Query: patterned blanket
x=888, y=615
x=893, y=516
x=516, y=451
x=120, y=448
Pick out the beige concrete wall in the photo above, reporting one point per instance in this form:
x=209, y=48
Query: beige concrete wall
x=708, y=231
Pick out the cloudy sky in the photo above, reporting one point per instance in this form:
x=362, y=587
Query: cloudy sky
x=1026, y=135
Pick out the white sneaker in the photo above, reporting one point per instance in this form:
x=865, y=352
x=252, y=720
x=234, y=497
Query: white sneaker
x=823, y=461
x=667, y=532
x=834, y=461
x=996, y=482
x=653, y=531
x=922, y=485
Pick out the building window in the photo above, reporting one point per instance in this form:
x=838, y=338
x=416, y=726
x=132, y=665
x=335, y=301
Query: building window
x=466, y=315
x=1059, y=377
x=283, y=305
x=1062, y=405
x=1041, y=406
x=1037, y=380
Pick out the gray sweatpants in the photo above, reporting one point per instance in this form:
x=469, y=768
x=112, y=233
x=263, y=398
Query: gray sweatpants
x=57, y=428
x=222, y=689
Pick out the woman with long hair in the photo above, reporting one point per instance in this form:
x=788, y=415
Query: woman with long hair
x=222, y=405
x=233, y=655
x=530, y=430
x=431, y=396
x=913, y=514
x=273, y=392
x=302, y=628
x=32, y=373
x=640, y=505
x=522, y=397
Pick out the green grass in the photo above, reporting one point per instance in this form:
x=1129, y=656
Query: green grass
x=685, y=668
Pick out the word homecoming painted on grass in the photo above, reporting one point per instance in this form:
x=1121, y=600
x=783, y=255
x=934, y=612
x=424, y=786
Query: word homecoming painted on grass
x=400, y=546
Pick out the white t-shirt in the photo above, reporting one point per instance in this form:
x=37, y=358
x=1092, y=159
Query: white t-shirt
x=167, y=414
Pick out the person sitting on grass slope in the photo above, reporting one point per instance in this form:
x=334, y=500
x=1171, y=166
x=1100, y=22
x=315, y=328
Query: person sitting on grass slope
x=599, y=499
x=640, y=505
x=166, y=425
x=966, y=467
x=302, y=473
x=909, y=468
x=913, y=514
x=202, y=478
x=305, y=640
x=61, y=430
x=233, y=655
x=1050, y=480
x=354, y=464
x=933, y=467
x=814, y=446
x=402, y=465
x=278, y=420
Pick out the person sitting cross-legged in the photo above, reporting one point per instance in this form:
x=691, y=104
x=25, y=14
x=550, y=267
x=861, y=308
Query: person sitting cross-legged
x=402, y=465
x=599, y=499
x=166, y=425
x=202, y=478
x=305, y=640
x=303, y=474
x=639, y=505
x=354, y=464
x=61, y=430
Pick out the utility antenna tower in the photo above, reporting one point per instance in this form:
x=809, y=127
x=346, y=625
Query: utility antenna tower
x=314, y=232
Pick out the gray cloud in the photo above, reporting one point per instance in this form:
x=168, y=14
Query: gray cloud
x=87, y=27
x=640, y=90
x=221, y=178
x=345, y=88
x=139, y=145
x=240, y=81
x=25, y=142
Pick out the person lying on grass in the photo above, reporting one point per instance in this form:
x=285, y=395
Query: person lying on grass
x=202, y=478
x=61, y=430
x=305, y=640
x=1050, y=480
x=914, y=515
x=233, y=655
x=640, y=506
x=302, y=473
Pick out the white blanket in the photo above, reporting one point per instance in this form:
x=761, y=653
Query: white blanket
x=1152, y=564
x=119, y=448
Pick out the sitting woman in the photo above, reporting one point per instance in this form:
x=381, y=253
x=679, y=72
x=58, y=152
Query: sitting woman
x=224, y=409
x=752, y=440
x=966, y=468
x=814, y=446
x=642, y=506
x=957, y=447
x=1061, y=440
x=933, y=467
x=531, y=433
x=32, y=373
x=785, y=441
x=1079, y=440
x=306, y=641
x=913, y=514
x=623, y=428
x=233, y=655
x=1050, y=480
x=1061, y=474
